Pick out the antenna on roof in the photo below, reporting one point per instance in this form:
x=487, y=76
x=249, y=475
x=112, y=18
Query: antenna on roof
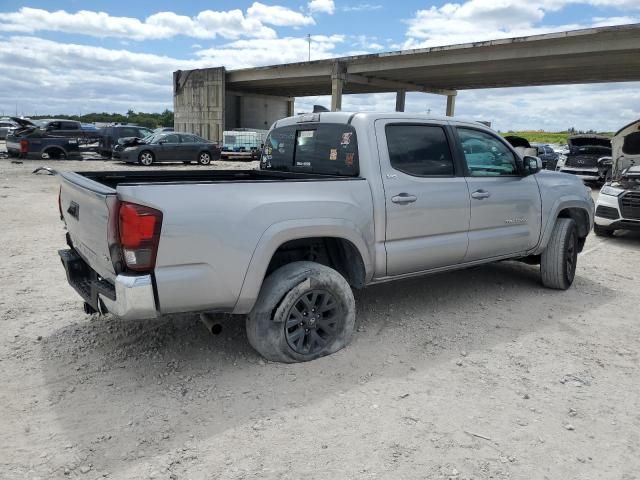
x=309, y=42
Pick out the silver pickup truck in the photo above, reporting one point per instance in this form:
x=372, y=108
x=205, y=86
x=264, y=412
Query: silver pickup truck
x=340, y=201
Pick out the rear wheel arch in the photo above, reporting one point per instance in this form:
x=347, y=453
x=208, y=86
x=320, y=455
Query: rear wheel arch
x=358, y=270
x=54, y=152
x=334, y=252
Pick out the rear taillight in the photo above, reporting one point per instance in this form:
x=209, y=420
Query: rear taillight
x=24, y=146
x=139, y=233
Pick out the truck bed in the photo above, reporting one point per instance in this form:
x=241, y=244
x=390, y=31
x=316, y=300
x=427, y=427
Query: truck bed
x=128, y=177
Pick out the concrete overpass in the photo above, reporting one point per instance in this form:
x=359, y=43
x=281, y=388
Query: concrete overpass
x=595, y=55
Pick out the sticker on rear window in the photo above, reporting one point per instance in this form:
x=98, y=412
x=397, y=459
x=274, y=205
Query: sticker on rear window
x=346, y=138
x=333, y=155
x=348, y=159
x=306, y=133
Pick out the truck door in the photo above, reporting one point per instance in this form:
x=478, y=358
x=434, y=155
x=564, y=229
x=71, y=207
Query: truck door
x=505, y=206
x=426, y=197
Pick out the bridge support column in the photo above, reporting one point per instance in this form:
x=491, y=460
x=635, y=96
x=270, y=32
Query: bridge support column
x=338, y=79
x=451, y=104
x=401, y=96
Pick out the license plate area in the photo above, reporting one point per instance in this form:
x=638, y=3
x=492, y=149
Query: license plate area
x=85, y=280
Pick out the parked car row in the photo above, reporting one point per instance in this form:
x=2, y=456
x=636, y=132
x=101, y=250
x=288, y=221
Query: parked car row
x=62, y=139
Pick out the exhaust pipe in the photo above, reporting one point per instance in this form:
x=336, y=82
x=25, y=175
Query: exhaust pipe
x=211, y=324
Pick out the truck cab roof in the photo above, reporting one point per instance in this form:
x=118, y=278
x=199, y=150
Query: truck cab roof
x=350, y=117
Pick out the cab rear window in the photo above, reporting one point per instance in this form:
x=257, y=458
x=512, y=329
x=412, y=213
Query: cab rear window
x=324, y=148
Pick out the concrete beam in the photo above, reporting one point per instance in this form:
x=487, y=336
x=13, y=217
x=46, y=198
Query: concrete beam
x=603, y=54
x=395, y=85
x=401, y=96
x=451, y=105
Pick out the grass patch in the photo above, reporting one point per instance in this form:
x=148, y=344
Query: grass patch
x=546, y=137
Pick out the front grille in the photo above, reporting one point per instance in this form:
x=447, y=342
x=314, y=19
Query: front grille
x=581, y=161
x=630, y=205
x=607, y=212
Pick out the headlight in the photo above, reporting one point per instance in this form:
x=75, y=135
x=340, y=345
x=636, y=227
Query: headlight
x=613, y=191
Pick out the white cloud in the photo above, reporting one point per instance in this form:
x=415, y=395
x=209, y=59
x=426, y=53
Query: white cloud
x=322, y=6
x=479, y=20
x=278, y=16
x=65, y=77
x=361, y=7
x=210, y=24
x=254, y=52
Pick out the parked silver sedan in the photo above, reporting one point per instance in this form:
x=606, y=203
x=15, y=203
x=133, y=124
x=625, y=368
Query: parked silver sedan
x=167, y=147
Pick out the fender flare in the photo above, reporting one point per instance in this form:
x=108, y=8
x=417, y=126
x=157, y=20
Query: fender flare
x=282, y=232
x=567, y=201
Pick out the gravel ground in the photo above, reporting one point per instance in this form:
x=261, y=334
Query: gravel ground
x=474, y=374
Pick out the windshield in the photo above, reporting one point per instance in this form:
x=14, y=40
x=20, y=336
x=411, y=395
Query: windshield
x=323, y=148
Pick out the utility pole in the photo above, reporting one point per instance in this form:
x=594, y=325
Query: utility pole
x=309, y=42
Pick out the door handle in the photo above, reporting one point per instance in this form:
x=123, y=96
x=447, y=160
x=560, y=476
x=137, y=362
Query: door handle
x=480, y=194
x=404, y=198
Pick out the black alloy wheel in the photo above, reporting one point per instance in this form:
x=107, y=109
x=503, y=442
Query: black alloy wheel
x=312, y=322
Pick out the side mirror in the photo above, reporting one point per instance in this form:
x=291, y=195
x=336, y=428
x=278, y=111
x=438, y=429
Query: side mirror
x=531, y=165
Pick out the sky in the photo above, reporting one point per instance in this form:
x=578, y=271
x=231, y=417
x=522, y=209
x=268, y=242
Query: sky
x=84, y=56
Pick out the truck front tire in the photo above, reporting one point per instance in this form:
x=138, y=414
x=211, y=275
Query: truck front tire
x=558, y=260
x=305, y=311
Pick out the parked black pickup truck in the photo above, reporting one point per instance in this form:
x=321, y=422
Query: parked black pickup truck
x=50, y=138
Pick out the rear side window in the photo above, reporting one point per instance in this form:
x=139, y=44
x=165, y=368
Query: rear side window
x=69, y=126
x=419, y=150
x=191, y=139
x=324, y=148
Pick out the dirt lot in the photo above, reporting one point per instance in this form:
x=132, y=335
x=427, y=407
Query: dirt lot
x=475, y=374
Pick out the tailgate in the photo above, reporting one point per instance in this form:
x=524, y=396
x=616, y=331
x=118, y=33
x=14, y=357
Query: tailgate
x=86, y=208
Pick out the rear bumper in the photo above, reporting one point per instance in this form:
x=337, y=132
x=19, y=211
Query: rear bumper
x=128, y=297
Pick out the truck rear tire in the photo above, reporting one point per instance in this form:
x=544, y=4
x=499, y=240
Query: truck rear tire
x=558, y=260
x=304, y=311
